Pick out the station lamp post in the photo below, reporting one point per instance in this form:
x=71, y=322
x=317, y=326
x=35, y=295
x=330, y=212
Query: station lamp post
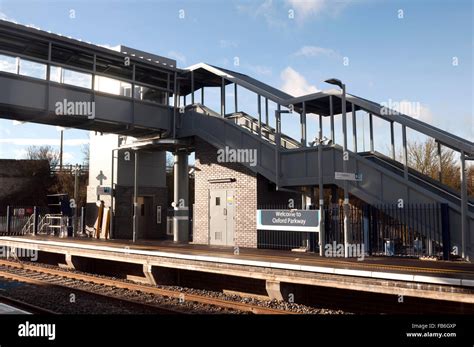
x=345, y=158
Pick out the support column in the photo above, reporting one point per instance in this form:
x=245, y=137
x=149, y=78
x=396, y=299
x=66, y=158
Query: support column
x=266, y=112
x=303, y=125
x=277, y=146
x=236, y=104
x=223, y=97
x=148, y=274
x=202, y=96
x=463, y=206
x=392, y=141
x=354, y=129
x=345, y=185
x=135, y=198
x=440, y=162
x=175, y=102
x=321, y=189
x=405, y=152
x=331, y=114
x=35, y=220
x=371, y=131
x=259, y=101
x=192, y=87
x=274, y=290
x=306, y=201
x=181, y=197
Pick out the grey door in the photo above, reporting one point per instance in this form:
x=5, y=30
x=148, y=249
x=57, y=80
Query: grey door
x=145, y=215
x=221, y=217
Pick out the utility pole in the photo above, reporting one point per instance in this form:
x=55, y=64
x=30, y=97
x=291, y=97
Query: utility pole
x=61, y=151
x=76, y=171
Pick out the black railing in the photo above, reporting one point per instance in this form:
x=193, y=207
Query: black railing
x=391, y=230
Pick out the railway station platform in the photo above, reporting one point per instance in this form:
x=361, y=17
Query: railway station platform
x=277, y=272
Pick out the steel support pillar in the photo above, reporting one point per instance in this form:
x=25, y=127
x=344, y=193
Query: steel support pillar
x=371, y=131
x=303, y=125
x=266, y=112
x=344, y=165
x=405, y=152
x=440, y=162
x=259, y=101
x=321, y=189
x=135, y=199
x=223, y=97
x=354, y=129
x=331, y=113
x=463, y=206
x=392, y=141
x=236, y=103
x=181, y=197
x=192, y=87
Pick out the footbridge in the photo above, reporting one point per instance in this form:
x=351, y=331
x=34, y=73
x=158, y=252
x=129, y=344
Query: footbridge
x=134, y=93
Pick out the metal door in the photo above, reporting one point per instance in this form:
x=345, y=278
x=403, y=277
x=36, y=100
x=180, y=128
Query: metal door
x=221, y=217
x=145, y=215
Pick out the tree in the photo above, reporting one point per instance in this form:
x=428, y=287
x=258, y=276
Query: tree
x=43, y=153
x=423, y=157
x=85, y=149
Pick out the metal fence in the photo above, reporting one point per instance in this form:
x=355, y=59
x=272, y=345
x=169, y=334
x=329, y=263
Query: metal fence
x=391, y=230
x=411, y=230
x=18, y=220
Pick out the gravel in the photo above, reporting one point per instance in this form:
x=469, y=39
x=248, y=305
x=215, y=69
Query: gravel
x=93, y=305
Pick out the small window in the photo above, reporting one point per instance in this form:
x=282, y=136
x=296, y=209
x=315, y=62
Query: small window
x=218, y=201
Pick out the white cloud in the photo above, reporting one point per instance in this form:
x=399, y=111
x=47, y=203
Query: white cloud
x=178, y=56
x=265, y=10
x=295, y=84
x=314, y=51
x=227, y=44
x=307, y=7
x=43, y=142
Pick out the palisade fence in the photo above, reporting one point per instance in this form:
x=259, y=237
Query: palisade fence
x=413, y=230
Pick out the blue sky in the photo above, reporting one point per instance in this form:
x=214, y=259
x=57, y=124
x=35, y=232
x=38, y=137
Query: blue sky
x=407, y=59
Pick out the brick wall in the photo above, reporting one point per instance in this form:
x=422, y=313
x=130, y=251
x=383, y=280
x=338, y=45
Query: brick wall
x=245, y=195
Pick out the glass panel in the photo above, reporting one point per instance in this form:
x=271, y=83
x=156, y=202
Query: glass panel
x=7, y=63
x=150, y=94
x=32, y=69
x=55, y=74
x=218, y=201
x=112, y=86
x=78, y=79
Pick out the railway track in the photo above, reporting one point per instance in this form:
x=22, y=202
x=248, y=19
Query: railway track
x=11, y=268
x=33, y=278
x=24, y=306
